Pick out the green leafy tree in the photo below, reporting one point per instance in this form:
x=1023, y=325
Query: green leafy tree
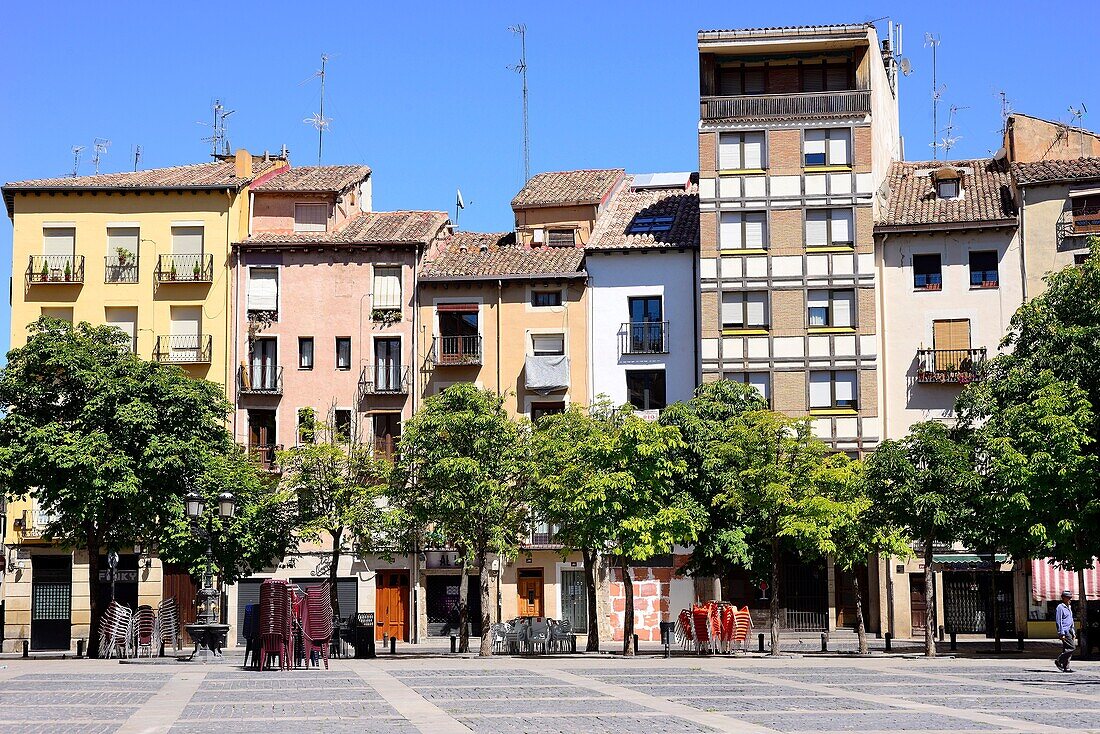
x=927, y=484
x=463, y=474
x=103, y=441
x=609, y=481
x=340, y=488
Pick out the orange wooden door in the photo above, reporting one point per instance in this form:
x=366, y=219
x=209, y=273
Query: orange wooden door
x=530, y=595
x=391, y=605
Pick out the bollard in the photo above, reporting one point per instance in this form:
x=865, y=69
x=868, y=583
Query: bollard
x=761, y=648
x=454, y=643
x=1020, y=643
x=889, y=637
x=824, y=642
x=954, y=642
x=80, y=648
x=393, y=645
x=635, y=644
x=26, y=648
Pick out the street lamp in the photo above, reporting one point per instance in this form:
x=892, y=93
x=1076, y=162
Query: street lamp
x=195, y=507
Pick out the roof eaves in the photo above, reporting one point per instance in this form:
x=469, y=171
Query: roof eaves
x=569, y=275
x=938, y=226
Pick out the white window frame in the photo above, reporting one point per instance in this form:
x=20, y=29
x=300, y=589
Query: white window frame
x=829, y=134
x=735, y=221
x=278, y=288
x=537, y=333
x=746, y=378
x=400, y=287
x=829, y=220
x=740, y=141
x=832, y=382
x=830, y=300
x=741, y=302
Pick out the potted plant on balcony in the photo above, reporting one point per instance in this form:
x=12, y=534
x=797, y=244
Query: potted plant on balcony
x=45, y=272
x=68, y=271
x=123, y=256
x=386, y=316
x=196, y=270
x=172, y=272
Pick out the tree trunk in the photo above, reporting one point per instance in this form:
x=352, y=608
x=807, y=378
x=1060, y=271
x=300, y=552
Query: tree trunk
x=95, y=614
x=774, y=604
x=861, y=630
x=486, y=636
x=590, y=599
x=1084, y=642
x=929, y=602
x=337, y=539
x=464, y=607
x=995, y=608
x=628, y=612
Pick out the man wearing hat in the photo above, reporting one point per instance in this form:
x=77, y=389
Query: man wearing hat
x=1063, y=618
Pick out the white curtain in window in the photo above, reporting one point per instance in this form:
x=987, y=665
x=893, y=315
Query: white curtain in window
x=845, y=387
x=754, y=150
x=186, y=240
x=729, y=232
x=755, y=224
x=756, y=307
x=817, y=228
x=387, y=287
x=58, y=241
x=818, y=306
x=842, y=225
x=732, y=310
x=815, y=142
x=839, y=145
x=820, y=390
x=263, y=289
x=729, y=151
x=843, y=308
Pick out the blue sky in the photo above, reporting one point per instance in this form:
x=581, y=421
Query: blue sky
x=422, y=91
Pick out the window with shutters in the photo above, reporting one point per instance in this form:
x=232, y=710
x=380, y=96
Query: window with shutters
x=833, y=389
x=827, y=76
x=829, y=228
x=831, y=308
x=561, y=237
x=743, y=231
x=741, y=151
x=761, y=381
x=263, y=291
x=951, y=334
x=735, y=80
x=830, y=147
x=547, y=345
x=983, y=269
x=927, y=272
x=745, y=310
x=125, y=320
x=58, y=241
x=122, y=254
x=310, y=217
x=387, y=288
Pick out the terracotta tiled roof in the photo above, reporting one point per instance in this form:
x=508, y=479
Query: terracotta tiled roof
x=374, y=228
x=314, y=179
x=216, y=174
x=612, y=231
x=912, y=201
x=561, y=188
x=1075, y=169
x=480, y=255
x=790, y=29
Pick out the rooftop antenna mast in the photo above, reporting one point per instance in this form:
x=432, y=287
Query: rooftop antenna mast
x=137, y=157
x=948, y=141
x=1006, y=110
x=77, y=150
x=318, y=120
x=219, y=138
x=521, y=69
x=937, y=91
x=100, y=146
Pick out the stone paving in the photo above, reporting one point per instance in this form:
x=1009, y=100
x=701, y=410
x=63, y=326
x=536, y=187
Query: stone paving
x=442, y=694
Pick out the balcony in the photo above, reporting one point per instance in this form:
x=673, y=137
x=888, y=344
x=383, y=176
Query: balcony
x=389, y=380
x=185, y=269
x=456, y=350
x=949, y=366
x=264, y=456
x=117, y=270
x=848, y=103
x=643, y=337
x=1079, y=223
x=32, y=524
x=58, y=269
x=385, y=447
x=184, y=349
x=261, y=379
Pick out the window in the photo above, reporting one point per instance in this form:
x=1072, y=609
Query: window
x=947, y=188
x=387, y=365
x=641, y=225
x=263, y=290
x=58, y=241
x=743, y=230
x=543, y=299
x=983, y=269
x=740, y=151
x=562, y=238
x=341, y=424
x=833, y=389
x=55, y=312
x=950, y=335
x=305, y=352
x=459, y=339
x=829, y=228
x=831, y=308
x=645, y=389
x=343, y=352
x=1079, y=258
x=310, y=217
x=387, y=287
x=826, y=76
x=187, y=241
x=927, y=275
x=736, y=80
x=386, y=430
x=538, y=410
x=125, y=320
x=547, y=345
x=745, y=310
x=122, y=249
x=307, y=425
x=828, y=147
x=759, y=380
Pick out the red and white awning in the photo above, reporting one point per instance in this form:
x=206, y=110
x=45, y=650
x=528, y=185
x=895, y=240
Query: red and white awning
x=1048, y=581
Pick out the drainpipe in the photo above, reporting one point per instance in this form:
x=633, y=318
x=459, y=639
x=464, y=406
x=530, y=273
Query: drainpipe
x=1023, y=248
x=500, y=301
x=229, y=286
x=696, y=303
x=235, y=264
x=880, y=320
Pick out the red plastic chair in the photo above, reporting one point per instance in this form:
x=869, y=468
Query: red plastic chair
x=317, y=623
x=274, y=627
x=742, y=625
x=145, y=627
x=684, y=631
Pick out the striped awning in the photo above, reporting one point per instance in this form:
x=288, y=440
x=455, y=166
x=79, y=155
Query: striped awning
x=1049, y=581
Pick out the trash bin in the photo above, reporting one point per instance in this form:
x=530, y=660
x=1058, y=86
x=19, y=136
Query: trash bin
x=364, y=635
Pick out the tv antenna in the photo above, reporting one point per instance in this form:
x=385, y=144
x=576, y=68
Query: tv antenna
x=100, y=146
x=1077, y=113
x=319, y=122
x=521, y=68
x=947, y=142
x=219, y=137
x=137, y=156
x=77, y=150
x=937, y=91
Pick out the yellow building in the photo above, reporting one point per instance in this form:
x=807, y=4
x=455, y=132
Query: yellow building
x=146, y=251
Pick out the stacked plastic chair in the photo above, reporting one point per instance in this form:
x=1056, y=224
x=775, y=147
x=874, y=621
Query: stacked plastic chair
x=167, y=631
x=702, y=628
x=742, y=626
x=685, y=633
x=275, y=619
x=116, y=631
x=145, y=631
x=317, y=623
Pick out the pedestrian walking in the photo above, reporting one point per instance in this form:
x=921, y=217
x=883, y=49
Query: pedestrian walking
x=1063, y=619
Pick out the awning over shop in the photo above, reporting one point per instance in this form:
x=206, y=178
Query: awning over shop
x=966, y=561
x=1048, y=581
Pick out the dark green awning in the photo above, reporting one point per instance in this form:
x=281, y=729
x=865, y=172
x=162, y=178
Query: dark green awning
x=962, y=561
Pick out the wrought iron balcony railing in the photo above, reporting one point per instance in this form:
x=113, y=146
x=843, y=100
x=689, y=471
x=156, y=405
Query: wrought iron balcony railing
x=61, y=269
x=387, y=380
x=261, y=379
x=797, y=105
x=264, y=455
x=456, y=350
x=385, y=447
x=1079, y=223
x=949, y=365
x=184, y=348
x=643, y=337
x=117, y=270
x=185, y=268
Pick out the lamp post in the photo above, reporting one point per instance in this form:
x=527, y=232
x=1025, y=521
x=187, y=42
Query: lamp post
x=195, y=506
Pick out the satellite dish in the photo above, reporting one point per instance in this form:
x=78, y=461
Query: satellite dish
x=906, y=67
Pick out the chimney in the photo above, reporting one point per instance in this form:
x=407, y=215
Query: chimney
x=242, y=164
